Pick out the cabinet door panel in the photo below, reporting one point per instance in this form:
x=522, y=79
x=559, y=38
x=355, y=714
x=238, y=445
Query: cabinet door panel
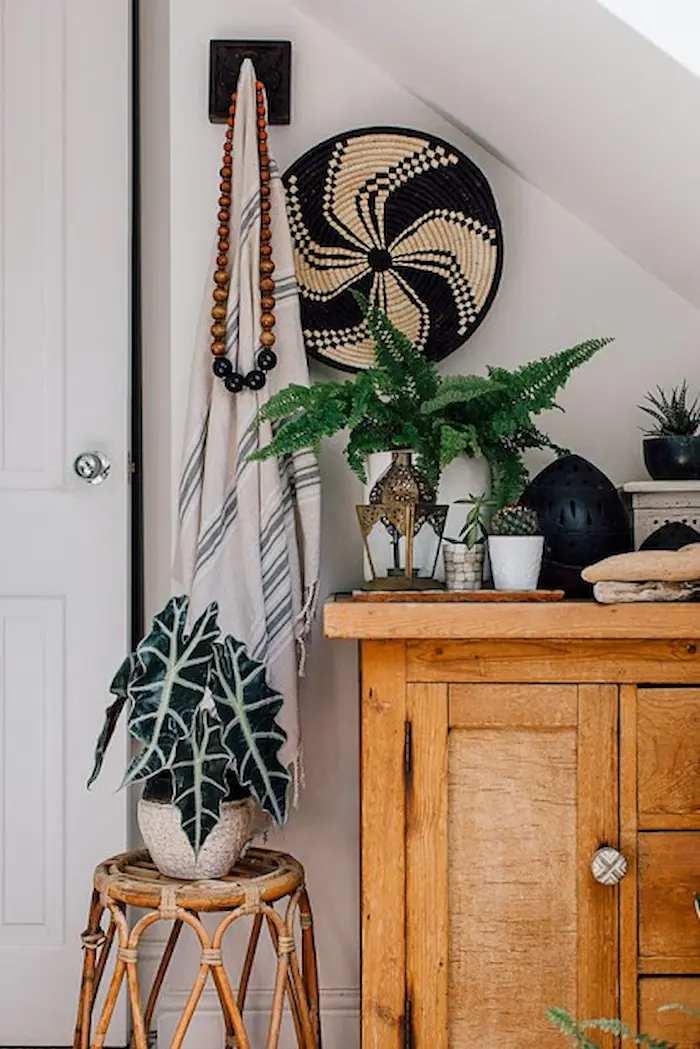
x=669, y=878
x=528, y=792
x=668, y=741
x=676, y=1027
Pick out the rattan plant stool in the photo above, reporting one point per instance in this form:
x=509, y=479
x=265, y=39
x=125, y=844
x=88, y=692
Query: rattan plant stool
x=258, y=881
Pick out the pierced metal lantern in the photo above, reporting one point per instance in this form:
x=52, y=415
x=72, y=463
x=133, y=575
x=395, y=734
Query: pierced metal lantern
x=402, y=502
x=412, y=534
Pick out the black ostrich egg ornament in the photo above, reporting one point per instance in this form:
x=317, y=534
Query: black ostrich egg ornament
x=582, y=517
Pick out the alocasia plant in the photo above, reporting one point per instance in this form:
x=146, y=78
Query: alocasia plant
x=247, y=707
x=204, y=713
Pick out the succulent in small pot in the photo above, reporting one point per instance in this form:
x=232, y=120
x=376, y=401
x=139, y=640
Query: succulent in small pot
x=464, y=556
x=205, y=717
x=671, y=447
x=515, y=548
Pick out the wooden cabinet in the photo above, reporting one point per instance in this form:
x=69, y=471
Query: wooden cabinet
x=501, y=747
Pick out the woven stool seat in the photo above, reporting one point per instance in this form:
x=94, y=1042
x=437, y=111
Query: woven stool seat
x=132, y=878
x=255, y=884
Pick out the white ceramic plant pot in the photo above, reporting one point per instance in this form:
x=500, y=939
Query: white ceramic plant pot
x=463, y=567
x=159, y=823
x=516, y=561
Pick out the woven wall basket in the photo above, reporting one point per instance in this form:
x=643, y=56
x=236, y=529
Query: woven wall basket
x=407, y=220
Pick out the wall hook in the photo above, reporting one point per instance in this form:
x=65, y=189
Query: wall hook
x=273, y=65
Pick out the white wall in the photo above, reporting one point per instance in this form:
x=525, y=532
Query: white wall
x=573, y=98
x=561, y=283
x=673, y=25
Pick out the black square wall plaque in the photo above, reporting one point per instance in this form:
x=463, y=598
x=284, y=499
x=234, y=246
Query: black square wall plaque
x=273, y=64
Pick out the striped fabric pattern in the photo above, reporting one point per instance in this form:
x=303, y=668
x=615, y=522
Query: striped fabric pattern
x=249, y=533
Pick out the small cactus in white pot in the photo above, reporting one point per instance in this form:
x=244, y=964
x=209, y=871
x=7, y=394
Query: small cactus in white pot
x=464, y=557
x=515, y=548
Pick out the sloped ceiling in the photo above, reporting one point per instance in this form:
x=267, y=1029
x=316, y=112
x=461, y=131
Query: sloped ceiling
x=570, y=96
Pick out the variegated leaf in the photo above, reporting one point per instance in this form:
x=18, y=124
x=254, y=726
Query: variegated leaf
x=169, y=685
x=120, y=689
x=248, y=707
x=199, y=769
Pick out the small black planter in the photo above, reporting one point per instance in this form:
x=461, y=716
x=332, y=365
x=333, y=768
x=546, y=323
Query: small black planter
x=672, y=458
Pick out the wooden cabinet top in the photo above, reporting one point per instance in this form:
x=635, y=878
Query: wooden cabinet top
x=345, y=617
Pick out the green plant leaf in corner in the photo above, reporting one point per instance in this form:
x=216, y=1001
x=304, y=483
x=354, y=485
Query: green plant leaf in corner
x=170, y=684
x=248, y=708
x=199, y=780
x=120, y=689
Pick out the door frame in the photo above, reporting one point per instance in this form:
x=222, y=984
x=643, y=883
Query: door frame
x=136, y=523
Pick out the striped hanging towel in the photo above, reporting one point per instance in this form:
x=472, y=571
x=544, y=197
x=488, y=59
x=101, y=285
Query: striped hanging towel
x=249, y=533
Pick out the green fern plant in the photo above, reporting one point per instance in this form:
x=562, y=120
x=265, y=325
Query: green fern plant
x=380, y=407
x=404, y=402
x=498, y=410
x=577, y=1030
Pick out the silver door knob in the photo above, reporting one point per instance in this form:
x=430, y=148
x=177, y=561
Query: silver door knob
x=608, y=865
x=92, y=467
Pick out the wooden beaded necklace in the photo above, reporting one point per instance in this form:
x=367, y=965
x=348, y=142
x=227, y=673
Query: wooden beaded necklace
x=266, y=359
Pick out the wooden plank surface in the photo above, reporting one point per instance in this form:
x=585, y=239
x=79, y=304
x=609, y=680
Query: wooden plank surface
x=629, y=1012
x=456, y=597
x=669, y=868
x=669, y=966
x=427, y=866
x=513, y=706
x=598, y=824
x=674, y=662
x=566, y=620
x=669, y=744
x=512, y=883
x=383, y=874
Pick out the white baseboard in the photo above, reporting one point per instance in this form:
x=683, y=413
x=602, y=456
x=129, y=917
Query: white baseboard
x=340, y=1020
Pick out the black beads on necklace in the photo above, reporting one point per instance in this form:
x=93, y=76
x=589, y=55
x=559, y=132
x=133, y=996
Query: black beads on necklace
x=267, y=359
x=254, y=380
x=234, y=382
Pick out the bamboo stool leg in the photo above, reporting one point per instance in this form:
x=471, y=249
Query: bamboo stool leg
x=229, y=1008
x=188, y=1012
x=294, y=1006
x=91, y=942
x=249, y=959
x=281, y=979
x=160, y=975
x=309, y=963
x=104, y=955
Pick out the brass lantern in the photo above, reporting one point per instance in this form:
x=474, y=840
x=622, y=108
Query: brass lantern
x=403, y=514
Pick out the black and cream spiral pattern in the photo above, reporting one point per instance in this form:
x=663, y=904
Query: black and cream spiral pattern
x=407, y=220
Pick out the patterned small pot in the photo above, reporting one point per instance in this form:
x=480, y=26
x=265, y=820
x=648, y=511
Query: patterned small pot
x=159, y=823
x=516, y=561
x=464, y=567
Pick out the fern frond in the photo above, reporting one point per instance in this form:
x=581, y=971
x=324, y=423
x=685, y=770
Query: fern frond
x=539, y=381
x=509, y=475
x=461, y=390
x=458, y=440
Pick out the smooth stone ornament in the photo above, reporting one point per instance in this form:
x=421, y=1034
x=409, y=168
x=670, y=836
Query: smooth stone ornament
x=642, y=566
x=610, y=593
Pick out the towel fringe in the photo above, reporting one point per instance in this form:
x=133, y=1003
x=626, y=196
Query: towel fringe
x=304, y=623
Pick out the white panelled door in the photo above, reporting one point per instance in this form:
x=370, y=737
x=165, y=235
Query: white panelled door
x=64, y=369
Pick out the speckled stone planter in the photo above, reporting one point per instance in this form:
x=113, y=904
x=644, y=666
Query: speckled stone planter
x=463, y=567
x=159, y=823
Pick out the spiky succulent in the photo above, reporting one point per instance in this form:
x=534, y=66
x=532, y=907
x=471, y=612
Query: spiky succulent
x=672, y=414
x=515, y=520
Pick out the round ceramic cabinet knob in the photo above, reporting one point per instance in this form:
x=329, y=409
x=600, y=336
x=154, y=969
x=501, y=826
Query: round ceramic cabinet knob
x=608, y=865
